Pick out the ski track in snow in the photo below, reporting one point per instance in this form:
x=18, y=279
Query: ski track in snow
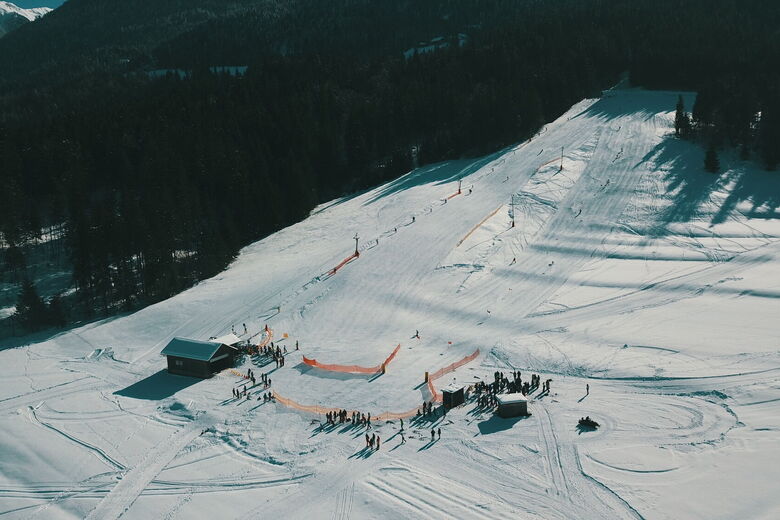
x=134, y=481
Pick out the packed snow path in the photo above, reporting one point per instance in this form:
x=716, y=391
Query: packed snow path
x=629, y=269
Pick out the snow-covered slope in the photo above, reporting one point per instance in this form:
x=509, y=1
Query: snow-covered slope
x=12, y=16
x=630, y=270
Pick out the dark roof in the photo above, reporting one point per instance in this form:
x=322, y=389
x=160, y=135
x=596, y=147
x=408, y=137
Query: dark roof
x=191, y=349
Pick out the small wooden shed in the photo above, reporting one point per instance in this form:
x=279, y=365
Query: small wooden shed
x=512, y=405
x=452, y=396
x=194, y=358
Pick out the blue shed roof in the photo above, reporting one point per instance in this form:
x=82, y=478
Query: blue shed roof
x=191, y=349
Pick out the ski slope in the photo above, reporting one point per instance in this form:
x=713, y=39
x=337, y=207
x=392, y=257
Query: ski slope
x=629, y=269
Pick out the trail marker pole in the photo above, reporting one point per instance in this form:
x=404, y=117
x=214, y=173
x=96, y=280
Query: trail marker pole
x=561, y=160
x=459, y=183
x=357, y=240
x=512, y=206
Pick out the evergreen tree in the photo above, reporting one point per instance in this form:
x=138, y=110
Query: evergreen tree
x=711, y=161
x=682, y=121
x=55, y=313
x=31, y=311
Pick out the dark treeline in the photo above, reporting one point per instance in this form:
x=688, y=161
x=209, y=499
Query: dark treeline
x=159, y=182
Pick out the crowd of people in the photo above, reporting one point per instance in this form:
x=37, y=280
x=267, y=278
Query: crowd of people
x=343, y=416
x=276, y=353
x=486, y=392
x=426, y=410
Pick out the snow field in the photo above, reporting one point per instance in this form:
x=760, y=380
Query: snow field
x=630, y=270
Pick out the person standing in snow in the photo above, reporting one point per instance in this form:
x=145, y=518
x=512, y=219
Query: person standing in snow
x=377, y=442
x=433, y=434
x=587, y=389
x=439, y=433
x=367, y=439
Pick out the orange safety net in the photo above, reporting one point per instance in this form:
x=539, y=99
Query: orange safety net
x=344, y=262
x=454, y=195
x=479, y=225
x=269, y=335
x=436, y=396
x=548, y=162
x=352, y=369
x=322, y=410
x=255, y=349
x=385, y=416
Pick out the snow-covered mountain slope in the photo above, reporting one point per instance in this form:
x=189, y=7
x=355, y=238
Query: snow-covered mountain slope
x=12, y=16
x=29, y=14
x=630, y=270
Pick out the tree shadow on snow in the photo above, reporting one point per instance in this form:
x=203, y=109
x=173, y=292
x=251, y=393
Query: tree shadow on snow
x=690, y=187
x=439, y=173
x=157, y=386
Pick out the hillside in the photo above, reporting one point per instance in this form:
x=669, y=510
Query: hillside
x=152, y=182
x=629, y=269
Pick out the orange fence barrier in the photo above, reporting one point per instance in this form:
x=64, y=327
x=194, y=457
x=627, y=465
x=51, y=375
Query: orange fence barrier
x=352, y=369
x=436, y=396
x=479, y=225
x=237, y=373
x=322, y=410
x=385, y=416
x=268, y=337
x=344, y=262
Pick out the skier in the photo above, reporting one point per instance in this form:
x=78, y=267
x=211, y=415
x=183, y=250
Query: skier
x=244, y=328
x=377, y=443
x=433, y=434
x=440, y=433
x=402, y=424
x=587, y=389
x=367, y=439
x=412, y=219
x=296, y=344
x=417, y=334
